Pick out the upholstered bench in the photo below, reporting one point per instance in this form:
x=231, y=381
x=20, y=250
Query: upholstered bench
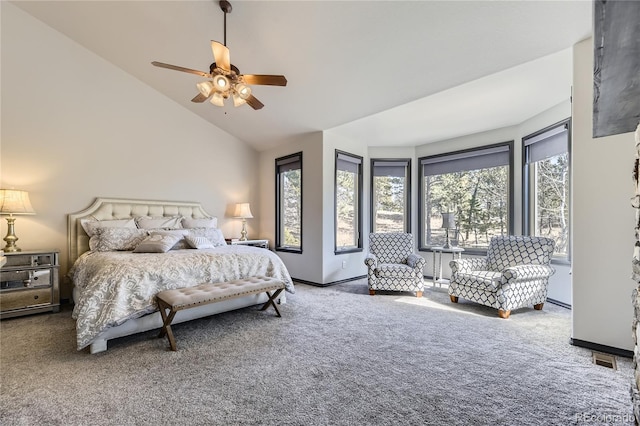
x=204, y=294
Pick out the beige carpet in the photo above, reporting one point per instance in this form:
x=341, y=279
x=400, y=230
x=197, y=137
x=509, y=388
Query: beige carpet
x=337, y=357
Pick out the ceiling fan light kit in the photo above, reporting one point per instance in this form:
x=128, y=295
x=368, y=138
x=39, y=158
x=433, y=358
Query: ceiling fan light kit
x=226, y=79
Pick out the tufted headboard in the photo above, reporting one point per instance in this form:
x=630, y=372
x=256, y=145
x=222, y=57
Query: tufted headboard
x=120, y=208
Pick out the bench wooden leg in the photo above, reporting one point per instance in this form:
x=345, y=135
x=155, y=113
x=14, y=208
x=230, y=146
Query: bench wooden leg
x=271, y=301
x=166, y=323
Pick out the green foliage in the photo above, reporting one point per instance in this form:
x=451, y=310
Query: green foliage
x=552, y=200
x=291, y=182
x=477, y=197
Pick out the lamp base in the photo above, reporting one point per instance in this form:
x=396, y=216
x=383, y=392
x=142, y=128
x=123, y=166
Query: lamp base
x=243, y=233
x=11, y=237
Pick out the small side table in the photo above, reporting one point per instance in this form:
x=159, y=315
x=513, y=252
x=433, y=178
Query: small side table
x=253, y=243
x=456, y=252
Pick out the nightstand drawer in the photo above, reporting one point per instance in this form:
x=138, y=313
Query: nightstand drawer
x=20, y=279
x=25, y=298
x=31, y=260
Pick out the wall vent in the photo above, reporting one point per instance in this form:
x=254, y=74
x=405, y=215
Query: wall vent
x=604, y=360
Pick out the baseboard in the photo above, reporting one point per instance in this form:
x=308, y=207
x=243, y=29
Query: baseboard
x=559, y=303
x=329, y=284
x=602, y=348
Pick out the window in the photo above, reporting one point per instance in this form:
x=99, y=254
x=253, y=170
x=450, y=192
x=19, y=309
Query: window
x=391, y=195
x=348, y=202
x=289, y=203
x=476, y=185
x=546, y=185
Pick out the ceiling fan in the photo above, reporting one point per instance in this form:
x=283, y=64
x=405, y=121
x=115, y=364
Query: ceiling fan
x=225, y=79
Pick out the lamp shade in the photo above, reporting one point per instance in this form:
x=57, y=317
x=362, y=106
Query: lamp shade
x=448, y=221
x=243, y=210
x=15, y=202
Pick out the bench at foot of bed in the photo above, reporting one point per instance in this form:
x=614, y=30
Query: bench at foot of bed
x=204, y=294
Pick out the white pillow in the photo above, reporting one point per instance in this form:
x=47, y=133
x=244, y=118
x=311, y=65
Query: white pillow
x=157, y=243
x=212, y=234
x=199, y=242
x=208, y=222
x=91, y=226
x=168, y=222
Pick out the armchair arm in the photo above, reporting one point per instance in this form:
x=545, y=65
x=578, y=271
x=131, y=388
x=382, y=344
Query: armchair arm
x=468, y=264
x=416, y=261
x=526, y=272
x=371, y=261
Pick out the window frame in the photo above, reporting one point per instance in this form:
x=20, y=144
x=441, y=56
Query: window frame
x=278, y=196
x=407, y=201
x=510, y=188
x=527, y=202
x=358, y=214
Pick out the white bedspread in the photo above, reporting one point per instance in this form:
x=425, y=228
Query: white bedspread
x=112, y=287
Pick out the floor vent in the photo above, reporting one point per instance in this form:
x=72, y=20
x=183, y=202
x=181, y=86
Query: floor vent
x=605, y=360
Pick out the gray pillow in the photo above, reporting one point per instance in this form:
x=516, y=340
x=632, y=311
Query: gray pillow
x=114, y=239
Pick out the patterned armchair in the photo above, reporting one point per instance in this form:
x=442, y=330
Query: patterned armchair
x=392, y=264
x=514, y=274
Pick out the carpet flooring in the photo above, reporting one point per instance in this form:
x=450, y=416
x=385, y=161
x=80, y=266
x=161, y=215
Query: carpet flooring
x=336, y=357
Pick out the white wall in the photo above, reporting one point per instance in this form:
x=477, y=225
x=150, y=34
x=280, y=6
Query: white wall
x=307, y=265
x=75, y=127
x=603, y=220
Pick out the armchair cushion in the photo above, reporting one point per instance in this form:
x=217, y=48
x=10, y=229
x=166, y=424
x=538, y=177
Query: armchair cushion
x=484, y=280
x=394, y=270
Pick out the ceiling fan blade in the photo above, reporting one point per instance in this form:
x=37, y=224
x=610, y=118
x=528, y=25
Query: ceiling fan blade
x=266, y=80
x=200, y=98
x=254, y=103
x=221, y=55
x=183, y=69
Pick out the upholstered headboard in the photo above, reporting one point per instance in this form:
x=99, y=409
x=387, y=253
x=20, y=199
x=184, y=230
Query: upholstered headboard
x=120, y=208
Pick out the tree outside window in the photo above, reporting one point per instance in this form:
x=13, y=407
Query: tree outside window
x=289, y=203
x=474, y=185
x=348, y=202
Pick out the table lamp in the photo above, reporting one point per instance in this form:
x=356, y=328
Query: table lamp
x=448, y=222
x=13, y=202
x=243, y=211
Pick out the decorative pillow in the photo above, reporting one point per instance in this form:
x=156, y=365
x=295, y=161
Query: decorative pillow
x=91, y=225
x=181, y=244
x=168, y=222
x=198, y=242
x=209, y=222
x=115, y=239
x=157, y=243
x=212, y=234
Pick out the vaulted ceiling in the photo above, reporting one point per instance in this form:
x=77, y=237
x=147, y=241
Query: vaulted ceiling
x=388, y=72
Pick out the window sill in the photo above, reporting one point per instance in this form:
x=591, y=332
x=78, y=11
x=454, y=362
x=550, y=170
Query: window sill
x=347, y=251
x=289, y=250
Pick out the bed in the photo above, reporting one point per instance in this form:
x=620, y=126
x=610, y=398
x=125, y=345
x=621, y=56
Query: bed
x=115, y=286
